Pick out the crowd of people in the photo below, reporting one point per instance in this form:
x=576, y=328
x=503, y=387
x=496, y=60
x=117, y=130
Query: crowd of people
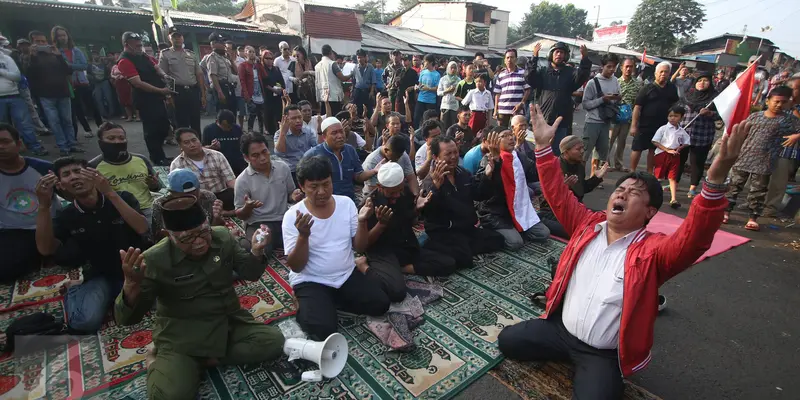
x=351, y=159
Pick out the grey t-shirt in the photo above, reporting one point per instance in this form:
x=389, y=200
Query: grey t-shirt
x=376, y=157
x=18, y=202
x=683, y=85
x=273, y=191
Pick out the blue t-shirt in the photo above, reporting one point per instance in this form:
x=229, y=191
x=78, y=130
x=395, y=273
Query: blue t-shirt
x=430, y=79
x=472, y=160
x=18, y=202
x=379, y=79
x=344, y=171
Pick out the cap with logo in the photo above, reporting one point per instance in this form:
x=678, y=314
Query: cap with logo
x=182, y=180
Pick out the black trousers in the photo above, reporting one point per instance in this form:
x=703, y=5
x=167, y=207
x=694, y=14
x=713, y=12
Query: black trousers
x=597, y=375
x=18, y=254
x=156, y=126
x=361, y=99
x=697, y=156
x=254, y=111
x=387, y=266
x=82, y=106
x=272, y=114
x=187, y=107
x=461, y=245
x=231, y=102
x=226, y=197
x=317, y=303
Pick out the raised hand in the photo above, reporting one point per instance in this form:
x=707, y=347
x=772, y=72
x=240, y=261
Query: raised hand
x=383, y=214
x=133, y=265
x=284, y=124
x=385, y=136
x=584, y=51
x=297, y=195
x=570, y=180
x=44, y=189
x=459, y=136
x=439, y=174
x=536, y=49
x=543, y=133
x=366, y=210
x=216, y=209
x=100, y=181
x=252, y=204
x=215, y=145
x=494, y=145
x=257, y=246
x=423, y=200
x=303, y=224
x=729, y=151
x=601, y=172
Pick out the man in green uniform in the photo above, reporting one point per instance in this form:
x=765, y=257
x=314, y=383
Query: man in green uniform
x=198, y=319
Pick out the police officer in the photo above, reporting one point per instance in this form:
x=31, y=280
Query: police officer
x=149, y=94
x=199, y=321
x=219, y=73
x=190, y=88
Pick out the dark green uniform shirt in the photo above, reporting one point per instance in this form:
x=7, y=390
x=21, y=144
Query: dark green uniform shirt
x=196, y=303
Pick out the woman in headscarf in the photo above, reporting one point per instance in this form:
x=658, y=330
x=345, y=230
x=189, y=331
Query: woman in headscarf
x=702, y=130
x=447, y=89
x=303, y=73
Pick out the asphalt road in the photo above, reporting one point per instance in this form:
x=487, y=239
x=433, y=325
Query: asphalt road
x=730, y=330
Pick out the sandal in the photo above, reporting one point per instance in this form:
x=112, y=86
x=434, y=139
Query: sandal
x=691, y=193
x=752, y=226
x=726, y=217
x=675, y=204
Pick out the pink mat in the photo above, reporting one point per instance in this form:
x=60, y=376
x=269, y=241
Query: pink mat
x=723, y=241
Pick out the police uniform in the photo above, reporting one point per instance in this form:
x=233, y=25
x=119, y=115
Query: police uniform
x=198, y=315
x=220, y=66
x=183, y=67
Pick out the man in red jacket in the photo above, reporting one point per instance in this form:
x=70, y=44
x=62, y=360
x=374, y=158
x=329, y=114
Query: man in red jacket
x=603, y=301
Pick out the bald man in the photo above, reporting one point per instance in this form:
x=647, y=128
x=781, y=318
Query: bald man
x=650, y=113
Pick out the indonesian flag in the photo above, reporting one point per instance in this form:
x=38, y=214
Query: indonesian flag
x=644, y=58
x=733, y=104
x=516, y=190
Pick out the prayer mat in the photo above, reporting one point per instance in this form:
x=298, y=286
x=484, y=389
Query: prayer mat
x=723, y=241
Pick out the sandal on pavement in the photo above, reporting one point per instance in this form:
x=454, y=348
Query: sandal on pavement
x=691, y=193
x=726, y=217
x=752, y=226
x=675, y=204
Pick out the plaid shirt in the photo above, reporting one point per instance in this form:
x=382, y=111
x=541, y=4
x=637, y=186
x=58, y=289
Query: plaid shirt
x=702, y=130
x=763, y=145
x=216, y=172
x=792, y=152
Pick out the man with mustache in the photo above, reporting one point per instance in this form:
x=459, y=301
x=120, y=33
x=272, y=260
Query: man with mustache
x=129, y=172
x=92, y=230
x=603, y=301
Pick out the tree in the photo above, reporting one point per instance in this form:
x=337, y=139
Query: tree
x=514, y=34
x=554, y=19
x=658, y=25
x=376, y=11
x=211, y=7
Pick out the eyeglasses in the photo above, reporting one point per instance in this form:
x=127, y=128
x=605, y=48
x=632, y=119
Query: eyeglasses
x=188, y=239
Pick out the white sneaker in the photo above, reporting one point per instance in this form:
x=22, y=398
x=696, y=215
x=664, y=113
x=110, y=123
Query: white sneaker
x=662, y=302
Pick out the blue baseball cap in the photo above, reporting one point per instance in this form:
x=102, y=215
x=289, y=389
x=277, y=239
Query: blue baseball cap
x=182, y=180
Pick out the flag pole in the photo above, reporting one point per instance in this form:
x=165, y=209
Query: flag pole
x=712, y=101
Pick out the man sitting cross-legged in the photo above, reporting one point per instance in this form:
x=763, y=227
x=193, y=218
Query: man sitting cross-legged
x=450, y=219
x=97, y=224
x=198, y=319
x=603, y=301
x=263, y=191
x=319, y=236
x=210, y=166
x=393, y=247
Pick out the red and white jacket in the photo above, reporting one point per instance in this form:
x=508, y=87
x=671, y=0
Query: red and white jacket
x=651, y=260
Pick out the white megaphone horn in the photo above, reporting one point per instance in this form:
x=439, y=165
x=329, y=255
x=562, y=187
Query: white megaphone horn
x=330, y=355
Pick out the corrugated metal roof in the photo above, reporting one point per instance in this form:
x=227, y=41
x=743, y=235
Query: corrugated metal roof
x=209, y=20
x=373, y=40
x=413, y=36
x=332, y=23
x=589, y=45
x=77, y=6
x=444, y=51
x=227, y=28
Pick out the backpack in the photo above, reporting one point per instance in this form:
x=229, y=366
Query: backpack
x=34, y=324
x=608, y=111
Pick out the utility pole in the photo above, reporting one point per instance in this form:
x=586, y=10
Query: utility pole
x=597, y=21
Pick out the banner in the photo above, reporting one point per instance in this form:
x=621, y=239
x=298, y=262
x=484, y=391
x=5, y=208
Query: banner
x=611, y=35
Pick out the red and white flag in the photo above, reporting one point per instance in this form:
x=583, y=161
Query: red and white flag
x=733, y=104
x=644, y=58
x=516, y=190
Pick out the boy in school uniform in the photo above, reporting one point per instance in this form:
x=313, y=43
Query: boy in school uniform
x=479, y=101
x=669, y=140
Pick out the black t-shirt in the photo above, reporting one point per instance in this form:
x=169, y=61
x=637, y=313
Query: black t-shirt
x=655, y=102
x=469, y=136
x=399, y=236
x=464, y=87
x=229, y=145
x=96, y=235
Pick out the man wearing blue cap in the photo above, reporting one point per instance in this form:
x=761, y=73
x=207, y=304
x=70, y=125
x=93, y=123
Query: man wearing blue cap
x=183, y=182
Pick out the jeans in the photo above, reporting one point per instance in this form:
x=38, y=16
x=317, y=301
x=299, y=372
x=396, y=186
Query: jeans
x=88, y=303
x=419, y=111
x=514, y=240
x=102, y=99
x=38, y=125
x=59, y=115
x=361, y=99
x=15, y=109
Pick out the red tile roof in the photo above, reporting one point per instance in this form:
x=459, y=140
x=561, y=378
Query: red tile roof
x=334, y=24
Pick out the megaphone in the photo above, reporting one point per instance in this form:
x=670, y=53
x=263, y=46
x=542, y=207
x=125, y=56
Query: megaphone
x=330, y=355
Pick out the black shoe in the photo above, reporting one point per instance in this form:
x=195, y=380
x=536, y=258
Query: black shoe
x=77, y=150
x=41, y=152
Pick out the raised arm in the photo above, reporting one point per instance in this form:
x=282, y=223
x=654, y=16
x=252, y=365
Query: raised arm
x=584, y=69
x=568, y=210
x=138, y=290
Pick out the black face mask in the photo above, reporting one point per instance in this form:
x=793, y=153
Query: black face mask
x=114, y=152
x=220, y=51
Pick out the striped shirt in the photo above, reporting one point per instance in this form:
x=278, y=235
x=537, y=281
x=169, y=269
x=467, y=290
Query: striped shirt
x=511, y=87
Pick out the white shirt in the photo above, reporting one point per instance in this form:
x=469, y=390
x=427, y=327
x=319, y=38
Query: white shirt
x=330, y=248
x=421, y=156
x=593, y=300
x=670, y=137
x=283, y=66
x=479, y=101
x=312, y=123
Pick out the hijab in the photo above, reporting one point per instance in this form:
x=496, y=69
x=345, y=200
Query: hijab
x=697, y=99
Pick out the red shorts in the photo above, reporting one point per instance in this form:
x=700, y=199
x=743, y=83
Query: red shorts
x=667, y=165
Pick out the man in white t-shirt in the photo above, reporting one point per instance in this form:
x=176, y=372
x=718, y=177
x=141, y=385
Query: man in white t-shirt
x=423, y=158
x=319, y=253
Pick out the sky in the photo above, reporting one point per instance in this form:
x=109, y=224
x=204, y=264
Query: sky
x=723, y=16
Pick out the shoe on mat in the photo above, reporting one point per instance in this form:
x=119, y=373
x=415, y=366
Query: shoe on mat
x=662, y=302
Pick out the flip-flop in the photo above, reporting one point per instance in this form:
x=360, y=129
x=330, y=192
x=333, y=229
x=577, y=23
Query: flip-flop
x=725, y=218
x=752, y=226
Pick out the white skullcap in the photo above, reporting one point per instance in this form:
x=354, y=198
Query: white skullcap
x=328, y=122
x=282, y=45
x=391, y=175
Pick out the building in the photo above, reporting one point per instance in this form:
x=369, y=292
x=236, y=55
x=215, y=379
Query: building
x=469, y=25
x=731, y=50
x=525, y=47
x=421, y=42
